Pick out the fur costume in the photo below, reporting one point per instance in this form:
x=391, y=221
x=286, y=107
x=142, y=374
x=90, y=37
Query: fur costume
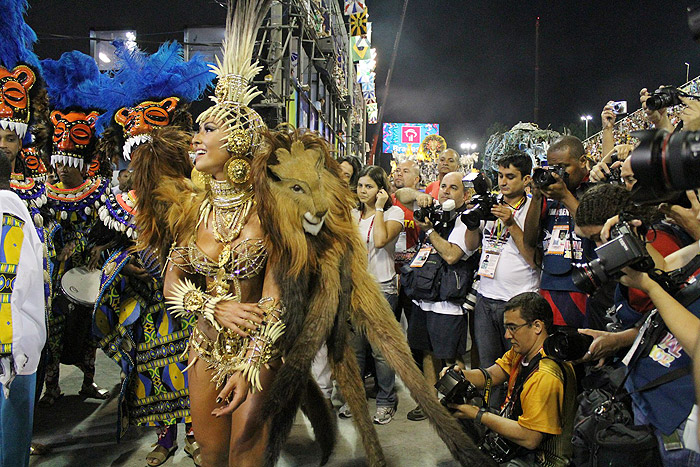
x=321, y=268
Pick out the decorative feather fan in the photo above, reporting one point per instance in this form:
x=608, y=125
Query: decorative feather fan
x=74, y=80
x=18, y=38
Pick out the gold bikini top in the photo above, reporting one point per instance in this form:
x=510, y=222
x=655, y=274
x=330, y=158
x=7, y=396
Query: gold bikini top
x=247, y=260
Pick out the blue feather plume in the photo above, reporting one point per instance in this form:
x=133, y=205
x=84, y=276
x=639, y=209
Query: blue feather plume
x=17, y=44
x=74, y=80
x=142, y=77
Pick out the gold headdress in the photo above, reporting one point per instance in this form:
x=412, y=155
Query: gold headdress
x=233, y=90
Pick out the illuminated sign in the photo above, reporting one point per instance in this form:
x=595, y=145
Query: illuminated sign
x=398, y=137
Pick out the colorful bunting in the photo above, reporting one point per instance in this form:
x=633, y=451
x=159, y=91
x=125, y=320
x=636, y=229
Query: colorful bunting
x=358, y=24
x=360, y=48
x=353, y=7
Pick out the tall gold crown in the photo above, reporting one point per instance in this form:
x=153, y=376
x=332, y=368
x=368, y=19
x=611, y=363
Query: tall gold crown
x=235, y=73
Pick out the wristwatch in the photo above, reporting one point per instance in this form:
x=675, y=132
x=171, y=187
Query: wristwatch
x=480, y=414
x=428, y=232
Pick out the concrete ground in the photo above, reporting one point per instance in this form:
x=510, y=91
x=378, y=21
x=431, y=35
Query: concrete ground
x=83, y=433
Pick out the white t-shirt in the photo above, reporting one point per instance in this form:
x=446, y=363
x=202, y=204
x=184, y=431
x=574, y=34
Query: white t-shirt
x=381, y=260
x=512, y=275
x=449, y=308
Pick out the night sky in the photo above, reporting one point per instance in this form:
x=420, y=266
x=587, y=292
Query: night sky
x=468, y=64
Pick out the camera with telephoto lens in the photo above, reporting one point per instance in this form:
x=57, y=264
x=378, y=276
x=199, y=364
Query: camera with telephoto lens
x=566, y=344
x=439, y=215
x=626, y=248
x=481, y=203
x=665, y=164
x=542, y=176
x=665, y=96
x=455, y=388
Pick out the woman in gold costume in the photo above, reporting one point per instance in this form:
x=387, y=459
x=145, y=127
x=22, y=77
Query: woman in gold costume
x=213, y=251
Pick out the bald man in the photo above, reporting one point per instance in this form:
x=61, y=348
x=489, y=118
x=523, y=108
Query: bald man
x=448, y=161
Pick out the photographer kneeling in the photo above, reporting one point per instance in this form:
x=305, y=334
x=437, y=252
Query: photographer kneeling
x=536, y=422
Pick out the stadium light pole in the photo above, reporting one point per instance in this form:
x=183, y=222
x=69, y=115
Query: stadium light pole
x=586, y=118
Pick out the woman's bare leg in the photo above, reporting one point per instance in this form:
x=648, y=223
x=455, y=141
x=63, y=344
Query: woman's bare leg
x=211, y=433
x=249, y=434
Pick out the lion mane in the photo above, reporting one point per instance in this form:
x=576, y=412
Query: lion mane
x=324, y=284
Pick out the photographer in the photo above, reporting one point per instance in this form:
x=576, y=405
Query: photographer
x=539, y=409
x=447, y=162
x=551, y=214
x=439, y=327
x=667, y=406
x=507, y=264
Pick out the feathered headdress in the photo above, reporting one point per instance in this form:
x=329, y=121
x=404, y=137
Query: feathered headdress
x=151, y=83
x=18, y=67
x=233, y=91
x=17, y=45
x=74, y=83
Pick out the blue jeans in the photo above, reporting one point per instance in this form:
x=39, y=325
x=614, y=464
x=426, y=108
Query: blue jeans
x=16, y=421
x=386, y=393
x=676, y=457
x=489, y=334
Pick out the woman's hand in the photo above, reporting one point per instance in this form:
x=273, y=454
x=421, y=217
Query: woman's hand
x=238, y=317
x=380, y=202
x=233, y=394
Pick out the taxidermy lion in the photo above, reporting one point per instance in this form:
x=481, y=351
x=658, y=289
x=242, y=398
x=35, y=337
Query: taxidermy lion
x=321, y=269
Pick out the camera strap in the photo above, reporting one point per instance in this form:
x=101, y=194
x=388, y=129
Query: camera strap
x=488, y=381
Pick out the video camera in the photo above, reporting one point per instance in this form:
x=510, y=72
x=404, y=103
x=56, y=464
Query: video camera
x=626, y=248
x=481, y=202
x=542, y=176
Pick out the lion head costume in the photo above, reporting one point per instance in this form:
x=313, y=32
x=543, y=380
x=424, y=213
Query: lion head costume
x=321, y=268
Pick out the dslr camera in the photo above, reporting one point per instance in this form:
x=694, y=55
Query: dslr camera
x=567, y=344
x=542, y=176
x=665, y=96
x=439, y=215
x=481, y=202
x=665, y=164
x=456, y=389
x=626, y=248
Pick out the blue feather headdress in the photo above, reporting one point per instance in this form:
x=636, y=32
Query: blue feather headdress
x=142, y=77
x=21, y=64
x=18, y=38
x=74, y=81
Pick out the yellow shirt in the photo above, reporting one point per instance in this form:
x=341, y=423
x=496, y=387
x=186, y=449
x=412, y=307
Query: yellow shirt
x=547, y=408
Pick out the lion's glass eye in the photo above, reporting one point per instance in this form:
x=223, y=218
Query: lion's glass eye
x=297, y=189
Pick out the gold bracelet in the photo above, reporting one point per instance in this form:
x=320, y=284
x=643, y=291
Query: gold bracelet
x=187, y=298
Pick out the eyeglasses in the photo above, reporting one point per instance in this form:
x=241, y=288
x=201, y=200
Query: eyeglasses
x=512, y=328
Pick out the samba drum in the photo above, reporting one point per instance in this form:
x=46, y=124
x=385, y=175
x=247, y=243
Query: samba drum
x=81, y=286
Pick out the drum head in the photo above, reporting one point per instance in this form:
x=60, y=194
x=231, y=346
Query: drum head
x=81, y=286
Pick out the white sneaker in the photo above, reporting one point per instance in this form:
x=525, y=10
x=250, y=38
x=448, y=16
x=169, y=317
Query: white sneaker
x=384, y=415
x=344, y=411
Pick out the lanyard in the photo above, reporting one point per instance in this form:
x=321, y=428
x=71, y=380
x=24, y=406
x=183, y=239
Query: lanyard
x=369, y=231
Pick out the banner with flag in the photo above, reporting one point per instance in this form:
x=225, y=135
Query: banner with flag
x=353, y=7
x=360, y=48
x=358, y=24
